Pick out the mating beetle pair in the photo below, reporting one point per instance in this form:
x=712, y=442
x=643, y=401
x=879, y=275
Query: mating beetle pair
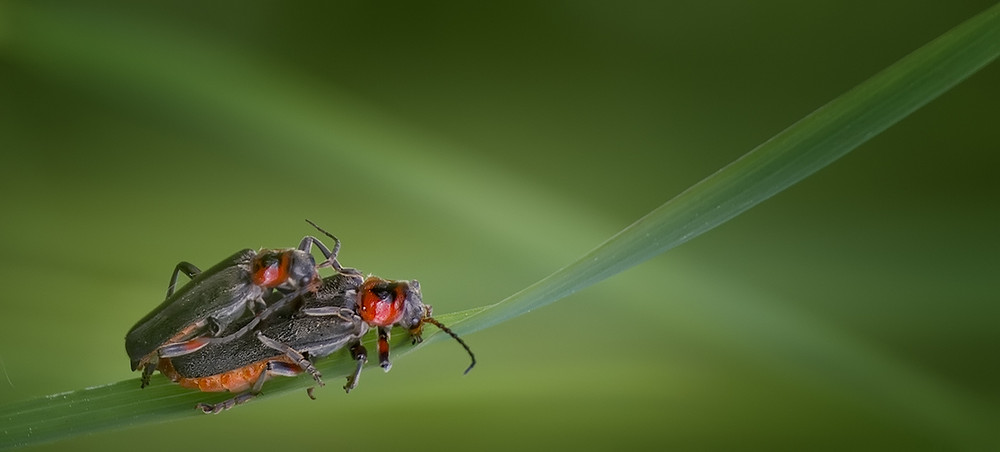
x=311, y=320
x=315, y=325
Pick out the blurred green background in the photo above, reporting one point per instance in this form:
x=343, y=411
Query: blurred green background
x=478, y=148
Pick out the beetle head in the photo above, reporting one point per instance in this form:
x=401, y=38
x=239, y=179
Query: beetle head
x=387, y=303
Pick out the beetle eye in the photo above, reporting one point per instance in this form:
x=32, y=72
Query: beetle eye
x=383, y=295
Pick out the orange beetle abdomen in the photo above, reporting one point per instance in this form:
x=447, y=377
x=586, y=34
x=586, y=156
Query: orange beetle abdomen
x=236, y=380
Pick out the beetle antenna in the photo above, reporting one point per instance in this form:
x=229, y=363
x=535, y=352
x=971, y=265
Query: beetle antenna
x=451, y=333
x=335, y=239
x=336, y=243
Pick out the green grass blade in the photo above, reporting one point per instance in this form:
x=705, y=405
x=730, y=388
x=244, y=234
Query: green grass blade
x=792, y=155
x=800, y=150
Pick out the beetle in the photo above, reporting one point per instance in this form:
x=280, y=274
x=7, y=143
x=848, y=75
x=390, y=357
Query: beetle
x=215, y=298
x=284, y=344
x=315, y=325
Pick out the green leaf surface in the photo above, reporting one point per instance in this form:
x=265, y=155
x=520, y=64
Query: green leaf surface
x=807, y=146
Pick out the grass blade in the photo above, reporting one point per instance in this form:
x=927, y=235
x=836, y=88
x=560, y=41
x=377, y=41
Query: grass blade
x=800, y=150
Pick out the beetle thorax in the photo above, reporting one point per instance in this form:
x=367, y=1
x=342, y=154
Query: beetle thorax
x=381, y=302
x=288, y=269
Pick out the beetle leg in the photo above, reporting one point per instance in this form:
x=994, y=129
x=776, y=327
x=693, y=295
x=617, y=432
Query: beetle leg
x=188, y=268
x=360, y=354
x=225, y=404
x=285, y=370
x=147, y=372
x=279, y=368
x=290, y=352
x=183, y=348
x=383, y=348
x=331, y=256
x=213, y=326
x=326, y=311
x=256, y=306
x=273, y=368
x=259, y=315
x=322, y=311
x=261, y=311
